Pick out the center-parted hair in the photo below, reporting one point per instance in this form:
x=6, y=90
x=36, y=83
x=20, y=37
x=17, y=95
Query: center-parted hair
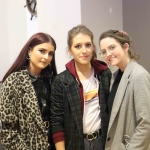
x=83, y=30
x=121, y=38
x=22, y=61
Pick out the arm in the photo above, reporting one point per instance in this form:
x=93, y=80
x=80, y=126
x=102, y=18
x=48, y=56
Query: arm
x=141, y=137
x=57, y=114
x=10, y=136
x=60, y=145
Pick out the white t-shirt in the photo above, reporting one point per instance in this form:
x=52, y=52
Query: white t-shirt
x=91, y=116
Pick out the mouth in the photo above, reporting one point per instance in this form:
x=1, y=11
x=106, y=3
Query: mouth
x=84, y=56
x=43, y=62
x=111, y=59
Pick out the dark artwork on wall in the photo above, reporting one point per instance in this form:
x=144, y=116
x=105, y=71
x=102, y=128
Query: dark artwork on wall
x=31, y=5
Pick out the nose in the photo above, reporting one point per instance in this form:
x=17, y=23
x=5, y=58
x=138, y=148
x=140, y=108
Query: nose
x=84, y=49
x=108, y=53
x=46, y=56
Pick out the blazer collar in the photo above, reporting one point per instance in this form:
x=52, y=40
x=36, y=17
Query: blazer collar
x=121, y=91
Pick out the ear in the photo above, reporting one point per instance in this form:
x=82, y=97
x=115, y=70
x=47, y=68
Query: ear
x=126, y=47
x=70, y=52
x=29, y=50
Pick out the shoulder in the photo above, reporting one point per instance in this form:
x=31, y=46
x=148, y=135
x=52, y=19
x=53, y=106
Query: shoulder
x=137, y=74
x=19, y=73
x=64, y=78
x=11, y=83
x=63, y=75
x=105, y=77
x=139, y=71
x=17, y=77
x=106, y=73
x=13, y=77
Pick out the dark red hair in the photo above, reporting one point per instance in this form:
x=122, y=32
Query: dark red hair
x=22, y=60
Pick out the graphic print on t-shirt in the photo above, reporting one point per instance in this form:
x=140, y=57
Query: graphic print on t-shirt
x=88, y=96
x=91, y=115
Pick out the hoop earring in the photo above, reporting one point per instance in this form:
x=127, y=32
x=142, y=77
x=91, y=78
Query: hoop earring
x=28, y=57
x=71, y=56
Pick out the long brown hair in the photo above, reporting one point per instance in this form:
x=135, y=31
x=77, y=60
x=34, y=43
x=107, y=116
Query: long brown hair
x=22, y=60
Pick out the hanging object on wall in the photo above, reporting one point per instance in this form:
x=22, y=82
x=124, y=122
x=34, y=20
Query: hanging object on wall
x=31, y=5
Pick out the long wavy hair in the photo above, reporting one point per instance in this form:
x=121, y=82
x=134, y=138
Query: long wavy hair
x=22, y=61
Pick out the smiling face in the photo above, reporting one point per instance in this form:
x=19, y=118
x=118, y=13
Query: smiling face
x=115, y=54
x=82, y=49
x=40, y=57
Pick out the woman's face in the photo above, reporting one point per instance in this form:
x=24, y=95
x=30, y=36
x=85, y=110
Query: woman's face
x=40, y=57
x=82, y=49
x=113, y=52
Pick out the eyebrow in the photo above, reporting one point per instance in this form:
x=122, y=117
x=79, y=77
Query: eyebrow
x=51, y=51
x=108, y=47
x=46, y=49
x=81, y=43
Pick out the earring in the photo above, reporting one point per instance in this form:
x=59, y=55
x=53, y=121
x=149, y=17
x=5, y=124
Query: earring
x=28, y=57
x=71, y=56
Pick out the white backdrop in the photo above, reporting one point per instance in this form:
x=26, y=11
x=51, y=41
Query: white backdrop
x=55, y=17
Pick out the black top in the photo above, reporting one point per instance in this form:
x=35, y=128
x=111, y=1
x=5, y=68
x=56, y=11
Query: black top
x=113, y=92
x=42, y=89
x=42, y=86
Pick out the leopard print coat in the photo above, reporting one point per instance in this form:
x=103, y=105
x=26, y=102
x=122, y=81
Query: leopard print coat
x=22, y=124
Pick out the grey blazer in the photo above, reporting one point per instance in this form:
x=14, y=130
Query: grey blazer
x=129, y=125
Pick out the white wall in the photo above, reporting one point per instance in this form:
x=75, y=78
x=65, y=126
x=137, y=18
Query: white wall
x=4, y=47
x=16, y=27
x=12, y=32
x=31, y=25
x=101, y=15
x=56, y=18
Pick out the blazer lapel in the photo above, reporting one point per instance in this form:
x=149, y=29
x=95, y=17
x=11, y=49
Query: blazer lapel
x=120, y=92
x=72, y=88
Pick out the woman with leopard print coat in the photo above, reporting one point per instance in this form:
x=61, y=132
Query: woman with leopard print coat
x=25, y=96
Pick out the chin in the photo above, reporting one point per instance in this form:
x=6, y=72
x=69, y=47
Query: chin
x=85, y=63
x=42, y=67
x=113, y=63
